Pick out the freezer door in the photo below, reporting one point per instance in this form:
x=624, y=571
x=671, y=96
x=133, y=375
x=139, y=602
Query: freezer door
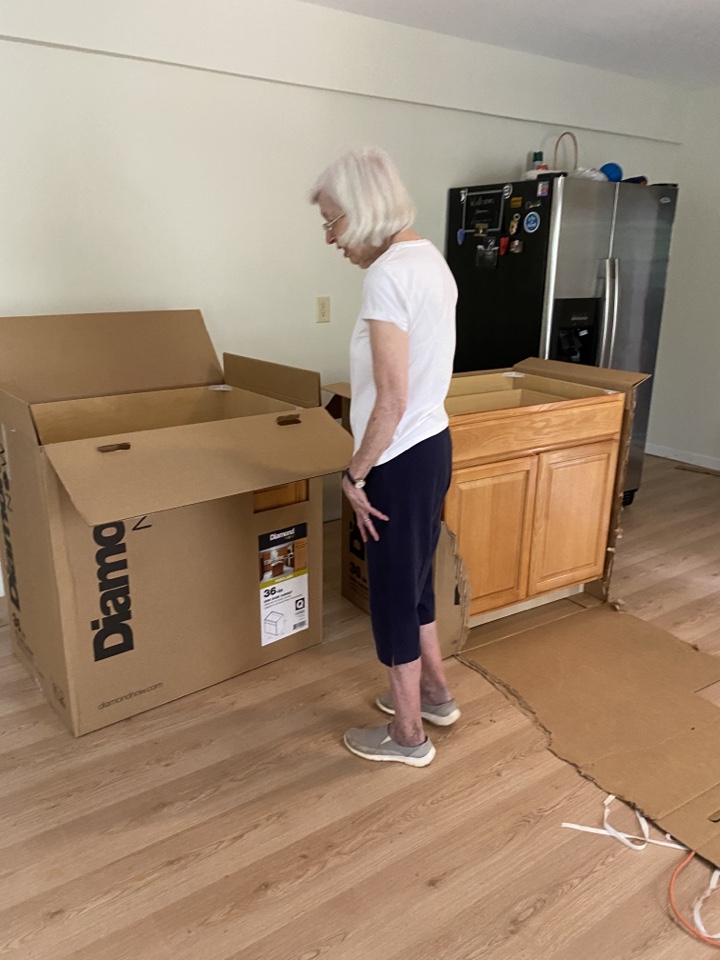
x=585, y=220
x=640, y=247
x=641, y=243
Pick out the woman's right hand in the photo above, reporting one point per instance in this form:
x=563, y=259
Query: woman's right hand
x=364, y=510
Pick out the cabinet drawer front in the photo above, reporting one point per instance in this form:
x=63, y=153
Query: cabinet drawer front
x=572, y=512
x=485, y=437
x=490, y=508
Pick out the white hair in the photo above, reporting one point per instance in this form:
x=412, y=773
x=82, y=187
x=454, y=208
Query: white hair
x=366, y=185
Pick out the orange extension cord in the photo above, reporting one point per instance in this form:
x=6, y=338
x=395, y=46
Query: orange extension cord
x=680, y=918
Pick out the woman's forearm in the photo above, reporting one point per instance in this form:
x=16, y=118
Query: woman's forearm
x=383, y=422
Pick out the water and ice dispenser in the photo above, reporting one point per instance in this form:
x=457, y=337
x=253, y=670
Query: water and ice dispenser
x=575, y=328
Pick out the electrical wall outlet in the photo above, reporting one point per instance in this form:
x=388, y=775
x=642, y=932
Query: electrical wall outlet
x=322, y=310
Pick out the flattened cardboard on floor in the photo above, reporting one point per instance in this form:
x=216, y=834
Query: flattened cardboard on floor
x=162, y=529
x=622, y=701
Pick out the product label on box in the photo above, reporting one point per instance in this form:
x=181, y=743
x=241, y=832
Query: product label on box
x=283, y=583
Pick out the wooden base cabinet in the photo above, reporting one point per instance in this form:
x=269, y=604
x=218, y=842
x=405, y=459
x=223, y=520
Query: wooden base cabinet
x=535, y=490
x=533, y=524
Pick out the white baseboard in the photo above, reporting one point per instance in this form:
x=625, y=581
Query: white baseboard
x=696, y=459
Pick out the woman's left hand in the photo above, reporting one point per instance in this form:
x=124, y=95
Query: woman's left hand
x=364, y=510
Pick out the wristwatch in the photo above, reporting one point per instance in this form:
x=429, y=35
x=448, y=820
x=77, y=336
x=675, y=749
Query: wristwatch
x=358, y=484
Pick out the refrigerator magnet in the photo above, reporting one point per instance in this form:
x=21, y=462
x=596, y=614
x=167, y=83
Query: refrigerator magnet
x=532, y=222
x=543, y=188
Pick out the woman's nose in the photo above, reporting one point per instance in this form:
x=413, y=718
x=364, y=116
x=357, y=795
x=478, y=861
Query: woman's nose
x=330, y=237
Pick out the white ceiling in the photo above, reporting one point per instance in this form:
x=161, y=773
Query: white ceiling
x=677, y=41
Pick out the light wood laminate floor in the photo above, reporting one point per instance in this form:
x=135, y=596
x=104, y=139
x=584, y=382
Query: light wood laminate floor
x=233, y=824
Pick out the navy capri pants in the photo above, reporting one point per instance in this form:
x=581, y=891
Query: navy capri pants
x=410, y=490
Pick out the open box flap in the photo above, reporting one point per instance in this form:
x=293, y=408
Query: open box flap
x=341, y=389
x=607, y=379
x=99, y=354
x=338, y=406
x=158, y=470
x=291, y=384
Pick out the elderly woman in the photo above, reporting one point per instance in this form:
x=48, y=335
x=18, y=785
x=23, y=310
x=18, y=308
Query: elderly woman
x=401, y=355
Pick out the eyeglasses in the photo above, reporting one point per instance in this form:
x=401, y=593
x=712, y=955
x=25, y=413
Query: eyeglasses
x=331, y=223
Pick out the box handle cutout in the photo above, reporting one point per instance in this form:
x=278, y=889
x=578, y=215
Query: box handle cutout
x=288, y=419
x=111, y=447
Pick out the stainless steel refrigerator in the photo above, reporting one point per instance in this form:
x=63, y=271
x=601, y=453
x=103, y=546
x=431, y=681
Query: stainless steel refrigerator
x=565, y=269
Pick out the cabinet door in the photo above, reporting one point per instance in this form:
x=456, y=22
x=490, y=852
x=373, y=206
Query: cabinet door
x=490, y=508
x=572, y=512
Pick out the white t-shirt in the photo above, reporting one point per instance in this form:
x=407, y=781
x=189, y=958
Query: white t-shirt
x=411, y=286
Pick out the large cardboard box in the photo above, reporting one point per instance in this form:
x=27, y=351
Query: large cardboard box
x=162, y=518
x=530, y=383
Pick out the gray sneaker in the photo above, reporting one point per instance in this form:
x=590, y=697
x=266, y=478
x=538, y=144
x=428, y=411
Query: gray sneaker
x=442, y=715
x=375, y=743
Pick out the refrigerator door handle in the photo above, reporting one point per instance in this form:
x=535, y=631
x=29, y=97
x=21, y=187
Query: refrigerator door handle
x=615, y=312
x=611, y=304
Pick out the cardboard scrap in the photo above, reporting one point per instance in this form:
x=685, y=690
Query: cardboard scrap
x=452, y=594
x=623, y=702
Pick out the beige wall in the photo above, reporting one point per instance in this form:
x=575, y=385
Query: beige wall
x=307, y=45
x=685, y=419
x=129, y=184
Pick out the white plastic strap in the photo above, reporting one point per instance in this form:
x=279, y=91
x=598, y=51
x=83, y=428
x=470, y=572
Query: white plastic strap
x=711, y=888
x=628, y=839
x=623, y=837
